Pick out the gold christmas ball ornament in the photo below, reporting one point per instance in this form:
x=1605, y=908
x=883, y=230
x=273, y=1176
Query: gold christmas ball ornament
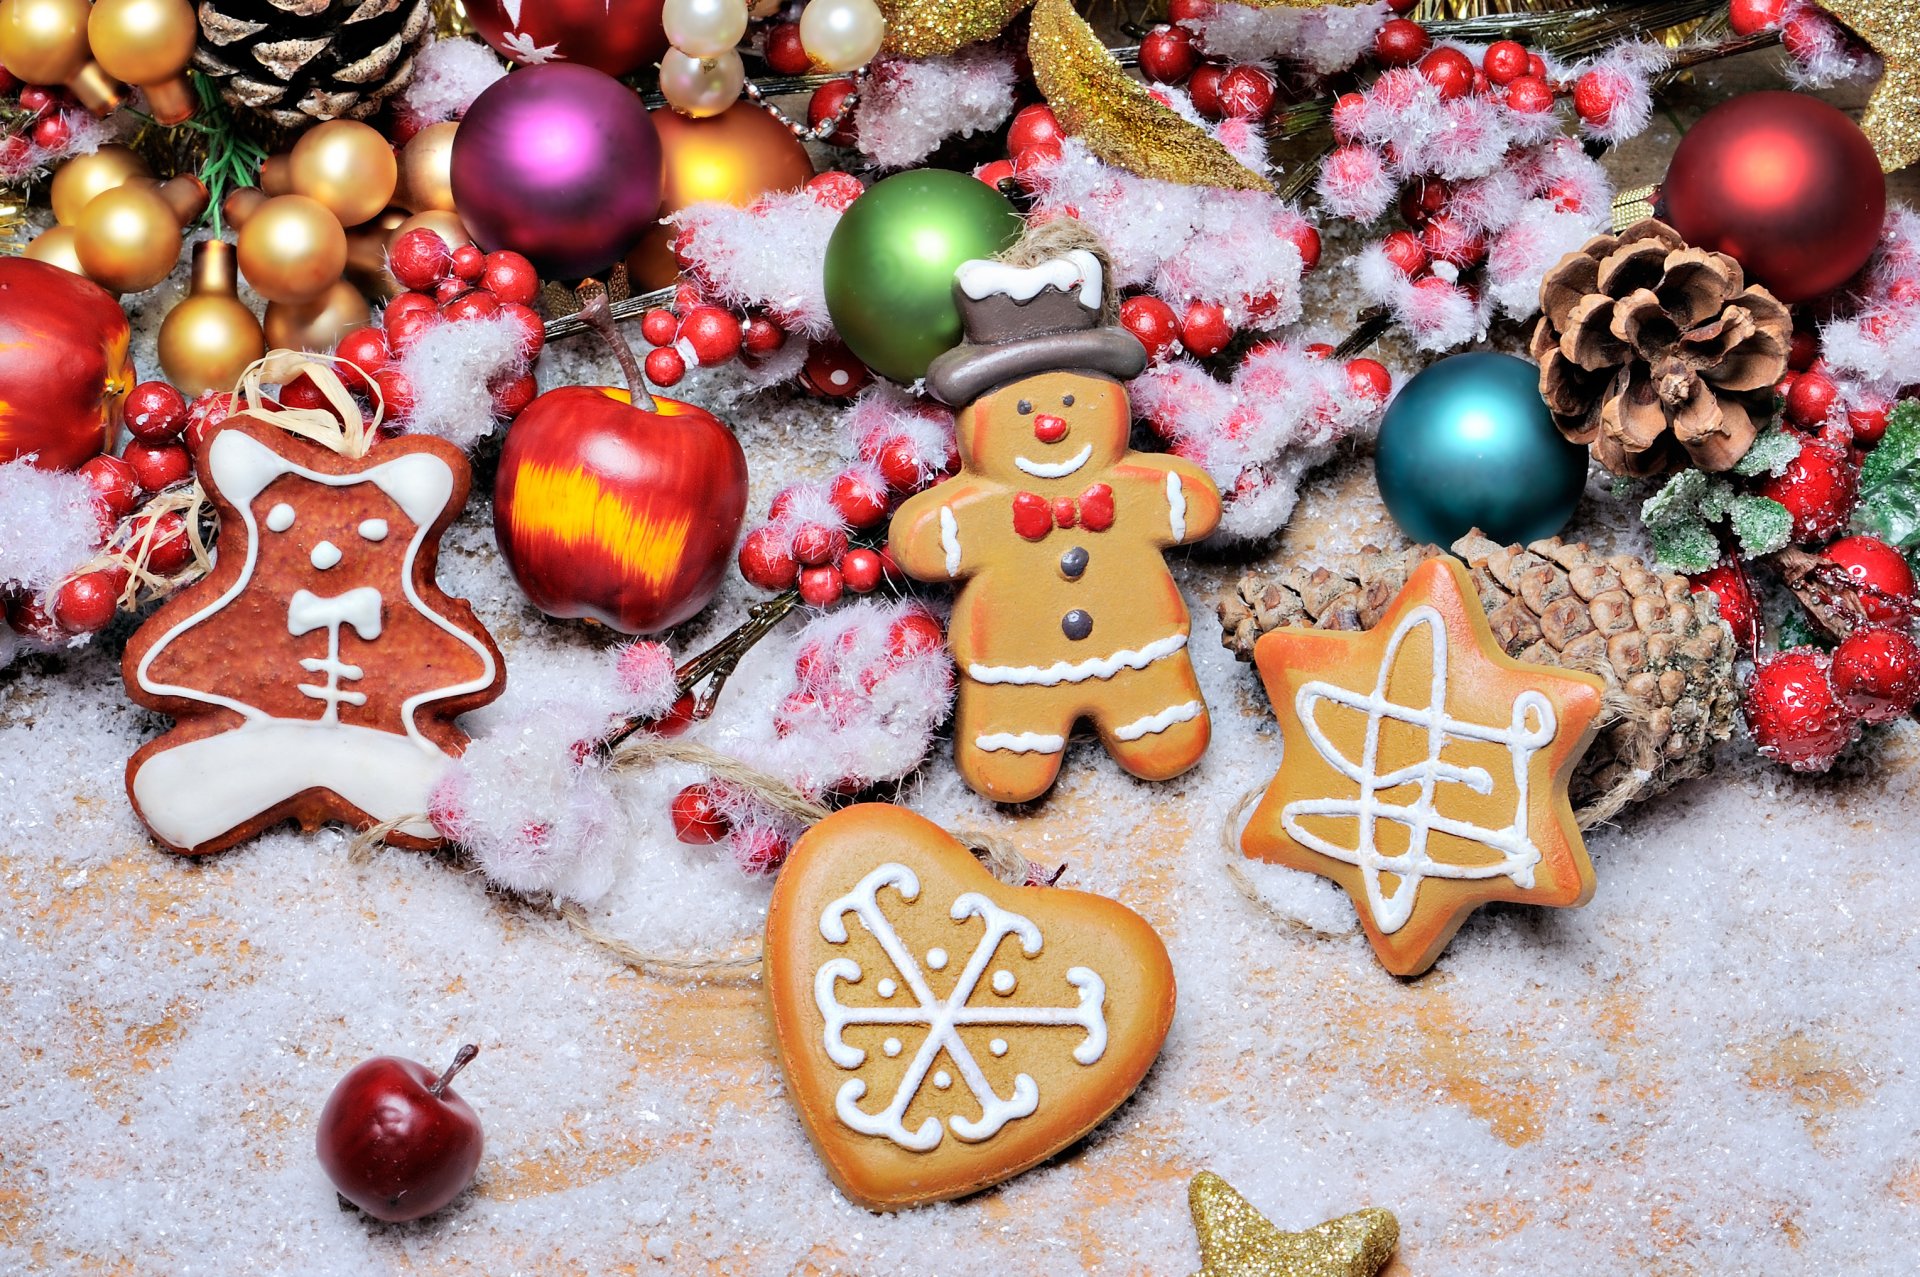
x=208, y=340
x=318, y=324
x=426, y=169
x=76, y=182
x=276, y=175
x=148, y=43
x=292, y=249
x=347, y=166
x=448, y=225
x=45, y=42
x=58, y=246
x=128, y=238
x=367, y=256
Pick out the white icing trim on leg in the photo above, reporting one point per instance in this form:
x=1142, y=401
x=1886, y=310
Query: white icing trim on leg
x=1176, y=508
x=1155, y=723
x=1020, y=743
x=950, y=539
x=1061, y=672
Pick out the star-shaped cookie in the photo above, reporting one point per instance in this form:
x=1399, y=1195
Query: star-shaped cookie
x=1238, y=1241
x=1892, y=120
x=1424, y=770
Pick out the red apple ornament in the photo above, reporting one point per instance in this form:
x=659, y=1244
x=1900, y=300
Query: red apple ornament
x=617, y=505
x=397, y=1141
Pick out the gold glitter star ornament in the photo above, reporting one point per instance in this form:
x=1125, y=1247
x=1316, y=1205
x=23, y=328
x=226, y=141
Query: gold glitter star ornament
x=1237, y=1241
x=1892, y=121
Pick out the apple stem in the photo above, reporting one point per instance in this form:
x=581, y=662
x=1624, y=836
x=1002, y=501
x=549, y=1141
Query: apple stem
x=597, y=313
x=461, y=1059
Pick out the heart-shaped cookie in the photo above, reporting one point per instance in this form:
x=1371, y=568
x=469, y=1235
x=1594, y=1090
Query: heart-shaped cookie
x=940, y=1030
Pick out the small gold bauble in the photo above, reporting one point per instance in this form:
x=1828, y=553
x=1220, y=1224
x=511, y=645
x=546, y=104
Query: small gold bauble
x=448, y=225
x=276, y=175
x=319, y=324
x=43, y=41
x=56, y=246
x=292, y=249
x=367, y=256
x=347, y=166
x=76, y=182
x=208, y=340
x=143, y=41
x=426, y=169
x=128, y=238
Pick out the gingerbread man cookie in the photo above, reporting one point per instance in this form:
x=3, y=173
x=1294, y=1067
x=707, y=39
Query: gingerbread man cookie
x=315, y=674
x=941, y=1031
x=1424, y=769
x=1054, y=530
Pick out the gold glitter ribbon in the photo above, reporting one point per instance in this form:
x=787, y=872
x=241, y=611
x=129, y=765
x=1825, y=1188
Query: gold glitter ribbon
x=1892, y=121
x=935, y=28
x=1120, y=122
x=1238, y=1241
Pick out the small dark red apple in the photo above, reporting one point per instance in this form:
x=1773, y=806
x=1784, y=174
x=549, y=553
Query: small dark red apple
x=397, y=1141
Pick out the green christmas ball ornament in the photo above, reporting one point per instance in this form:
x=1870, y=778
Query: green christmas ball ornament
x=1468, y=443
x=890, y=264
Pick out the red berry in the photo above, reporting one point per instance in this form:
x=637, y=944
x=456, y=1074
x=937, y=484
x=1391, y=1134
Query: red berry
x=1450, y=71
x=1876, y=672
x=1882, y=577
x=408, y=327
x=1529, y=95
x=1733, y=594
x=469, y=263
x=511, y=397
x=1369, y=379
x=155, y=412
x=835, y=189
x=815, y=544
x=533, y=329
x=825, y=104
x=396, y=394
x=302, y=393
x=996, y=173
x=765, y=560
x=1034, y=136
x=785, y=54
x=760, y=851
x=697, y=818
x=833, y=370
x=1593, y=98
x=1307, y=240
x=1404, y=250
x=478, y=304
x=366, y=349
x=1152, y=322
x=1803, y=34
x=511, y=278
x=665, y=366
x=858, y=499
x=712, y=333
x=158, y=465
x=51, y=132
x=1188, y=12
x=116, y=488
x=1537, y=67
x=762, y=336
x=821, y=586
x=1446, y=238
x=1402, y=6
x=658, y=326
x=1167, y=54
x=861, y=570
x=450, y=288
x=1318, y=350
x=1203, y=86
x=915, y=633
x=14, y=153
x=1204, y=329
x=205, y=415
x=35, y=98
x=1750, y=17
x=1811, y=399
x=899, y=463
x=1784, y=386
x=1504, y=61
x=1349, y=110
x=406, y=304
x=1868, y=423
x=1793, y=712
x=1818, y=489
x=419, y=259
x=1424, y=198
x=1246, y=92
x=85, y=603
x=167, y=547
x=27, y=614
x=1400, y=43
x=1804, y=350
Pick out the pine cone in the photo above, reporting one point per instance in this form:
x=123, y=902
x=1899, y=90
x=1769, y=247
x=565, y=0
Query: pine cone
x=1658, y=355
x=291, y=63
x=1665, y=655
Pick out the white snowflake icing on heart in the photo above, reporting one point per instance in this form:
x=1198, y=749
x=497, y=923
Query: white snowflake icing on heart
x=1532, y=727
x=942, y=1018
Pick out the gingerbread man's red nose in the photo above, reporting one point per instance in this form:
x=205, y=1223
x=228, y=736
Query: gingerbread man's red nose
x=1049, y=429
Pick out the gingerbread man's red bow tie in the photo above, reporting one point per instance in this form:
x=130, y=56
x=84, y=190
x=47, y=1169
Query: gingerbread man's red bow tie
x=1034, y=516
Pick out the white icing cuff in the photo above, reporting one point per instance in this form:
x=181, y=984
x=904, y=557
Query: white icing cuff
x=1020, y=743
x=1154, y=723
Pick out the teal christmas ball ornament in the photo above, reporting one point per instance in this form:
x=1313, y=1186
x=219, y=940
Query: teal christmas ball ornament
x=1468, y=443
x=890, y=264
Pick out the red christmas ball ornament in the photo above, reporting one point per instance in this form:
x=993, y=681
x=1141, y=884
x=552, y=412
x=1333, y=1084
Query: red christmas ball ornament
x=1733, y=593
x=1784, y=184
x=1876, y=672
x=1881, y=576
x=1450, y=71
x=827, y=102
x=1152, y=322
x=785, y=52
x=1204, y=329
x=155, y=412
x=1504, y=61
x=1246, y=92
x=1167, y=55
x=420, y=259
x=1818, y=488
x=619, y=512
x=1529, y=95
x=1035, y=136
x=697, y=818
x=1794, y=714
x=1400, y=43
x=615, y=36
x=397, y=1141
x=64, y=366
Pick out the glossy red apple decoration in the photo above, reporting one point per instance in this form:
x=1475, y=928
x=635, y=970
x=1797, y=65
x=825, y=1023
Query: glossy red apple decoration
x=64, y=367
x=397, y=1141
x=619, y=507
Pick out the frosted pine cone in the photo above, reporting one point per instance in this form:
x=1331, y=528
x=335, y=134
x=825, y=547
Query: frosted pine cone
x=1658, y=355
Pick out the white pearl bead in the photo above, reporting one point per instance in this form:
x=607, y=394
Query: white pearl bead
x=704, y=28
x=701, y=87
x=842, y=35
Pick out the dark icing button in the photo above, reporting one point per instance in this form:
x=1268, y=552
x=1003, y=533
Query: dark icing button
x=1074, y=562
x=1076, y=624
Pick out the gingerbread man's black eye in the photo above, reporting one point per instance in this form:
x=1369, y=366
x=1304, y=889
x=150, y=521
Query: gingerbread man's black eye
x=1025, y=406
x=1066, y=401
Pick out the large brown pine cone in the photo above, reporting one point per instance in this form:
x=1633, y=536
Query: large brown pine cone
x=1658, y=355
x=287, y=64
x=1665, y=655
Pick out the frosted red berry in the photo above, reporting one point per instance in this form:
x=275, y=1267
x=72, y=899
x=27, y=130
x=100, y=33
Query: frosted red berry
x=1204, y=329
x=1504, y=61
x=1246, y=92
x=1400, y=43
x=116, y=488
x=697, y=818
x=85, y=603
x=1750, y=17
x=1167, y=55
x=665, y=366
x=1529, y=95
x=1881, y=576
x=826, y=102
x=1811, y=399
x=1818, y=488
x=158, y=465
x=1203, y=87
x=1793, y=712
x=767, y=561
x=861, y=569
x=712, y=334
x=155, y=412
x=510, y=277
x=1152, y=322
x=420, y=259
x=821, y=586
x=1369, y=379
x=815, y=544
x=1733, y=595
x=1876, y=672
x=658, y=326
x=860, y=501
x=1449, y=71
